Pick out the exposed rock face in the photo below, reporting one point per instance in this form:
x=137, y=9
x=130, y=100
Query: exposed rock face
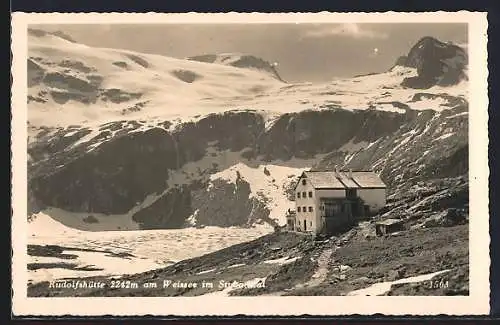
x=91, y=219
x=186, y=75
x=112, y=178
x=118, y=96
x=121, y=166
x=77, y=82
x=247, y=61
x=402, y=60
x=437, y=63
x=431, y=202
x=308, y=133
x=225, y=204
x=169, y=211
x=431, y=145
x=446, y=218
x=125, y=169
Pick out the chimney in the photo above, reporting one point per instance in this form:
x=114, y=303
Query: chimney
x=336, y=171
x=350, y=173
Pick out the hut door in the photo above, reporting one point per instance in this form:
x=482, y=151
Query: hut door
x=354, y=209
x=305, y=225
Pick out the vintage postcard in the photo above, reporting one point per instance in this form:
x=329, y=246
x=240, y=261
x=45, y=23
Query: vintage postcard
x=253, y=164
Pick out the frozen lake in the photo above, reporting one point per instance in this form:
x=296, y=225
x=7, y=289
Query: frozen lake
x=150, y=248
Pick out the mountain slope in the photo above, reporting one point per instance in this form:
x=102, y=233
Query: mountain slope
x=84, y=84
x=178, y=158
x=92, y=86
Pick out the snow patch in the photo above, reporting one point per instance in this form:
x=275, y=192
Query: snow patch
x=444, y=136
x=192, y=218
x=70, y=133
x=354, y=147
x=207, y=271
x=371, y=144
x=458, y=115
x=235, y=265
x=381, y=288
x=406, y=137
x=390, y=108
x=282, y=261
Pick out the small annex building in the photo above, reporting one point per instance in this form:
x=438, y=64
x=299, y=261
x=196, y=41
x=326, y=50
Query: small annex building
x=388, y=226
x=329, y=201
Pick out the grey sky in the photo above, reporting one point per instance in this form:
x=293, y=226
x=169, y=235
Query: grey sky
x=304, y=52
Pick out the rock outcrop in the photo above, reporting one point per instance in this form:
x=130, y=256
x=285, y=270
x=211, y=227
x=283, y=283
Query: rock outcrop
x=437, y=63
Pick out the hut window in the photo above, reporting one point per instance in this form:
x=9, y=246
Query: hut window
x=298, y=195
x=311, y=223
x=304, y=195
x=303, y=182
x=310, y=209
x=310, y=194
x=298, y=209
x=304, y=209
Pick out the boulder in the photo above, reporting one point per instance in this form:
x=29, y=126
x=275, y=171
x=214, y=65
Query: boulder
x=446, y=218
x=396, y=274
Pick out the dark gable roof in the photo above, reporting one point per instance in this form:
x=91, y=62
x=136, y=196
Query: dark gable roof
x=360, y=179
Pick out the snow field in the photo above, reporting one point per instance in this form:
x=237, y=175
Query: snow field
x=182, y=89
